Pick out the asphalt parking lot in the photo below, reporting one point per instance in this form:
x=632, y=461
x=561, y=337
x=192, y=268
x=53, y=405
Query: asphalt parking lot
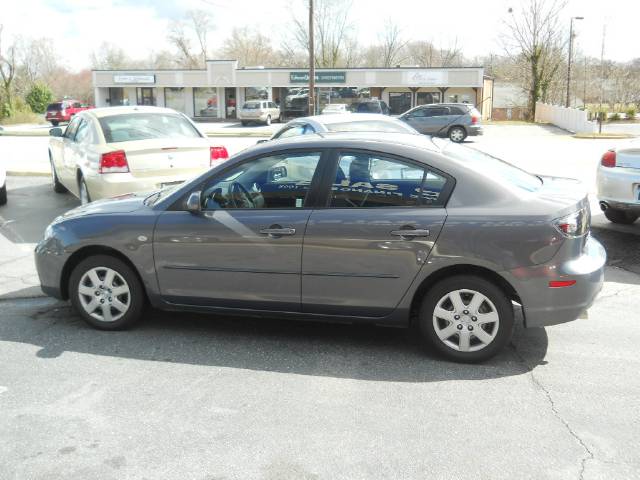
x=196, y=397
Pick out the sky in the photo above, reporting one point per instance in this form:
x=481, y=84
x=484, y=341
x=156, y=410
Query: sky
x=78, y=27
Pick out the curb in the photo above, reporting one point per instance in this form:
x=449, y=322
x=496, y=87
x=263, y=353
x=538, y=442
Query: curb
x=603, y=136
x=28, y=174
x=4, y=133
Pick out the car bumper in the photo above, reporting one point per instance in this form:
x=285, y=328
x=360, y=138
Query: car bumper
x=113, y=184
x=619, y=187
x=545, y=306
x=50, y=259
x=474, y=131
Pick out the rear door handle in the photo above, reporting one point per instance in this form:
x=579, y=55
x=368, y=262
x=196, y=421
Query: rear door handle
x=277, y=231
x=411, y=233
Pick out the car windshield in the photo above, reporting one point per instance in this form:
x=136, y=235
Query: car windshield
x=370, y=126
x=251, y=105
x=54, y=106
x=144, y=126
x=500, y=170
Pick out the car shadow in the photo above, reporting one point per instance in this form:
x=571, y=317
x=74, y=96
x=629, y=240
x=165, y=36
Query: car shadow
x=270, y=345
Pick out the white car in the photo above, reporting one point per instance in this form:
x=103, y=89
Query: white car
x=3, y=185
x=262, y=111
x=335, y=108
x=618, y=183
x=111, y=151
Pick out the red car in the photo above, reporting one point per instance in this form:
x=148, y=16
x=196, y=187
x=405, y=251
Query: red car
x=64, y=110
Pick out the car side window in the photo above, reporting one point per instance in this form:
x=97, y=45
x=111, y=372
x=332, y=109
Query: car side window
x=419, y=113
x=276, y=181
x=371, y=180
x=438, y=111
x=72, y=128
x=84, y=133
x=457, y=111
x=292, y=131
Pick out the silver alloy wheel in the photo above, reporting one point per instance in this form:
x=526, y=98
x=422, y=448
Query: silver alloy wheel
x=466, y=320
x=456, y=134
x=104, y=294
x=84, y=193
x=53, y=174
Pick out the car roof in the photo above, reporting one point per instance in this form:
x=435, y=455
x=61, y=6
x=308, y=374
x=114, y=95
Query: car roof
x=111, y=111
x=341, y=117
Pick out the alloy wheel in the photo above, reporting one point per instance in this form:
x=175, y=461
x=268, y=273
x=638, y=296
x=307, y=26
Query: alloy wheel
x=466, y=320
x=104, y=294
x=456, y=135
x=84, y=193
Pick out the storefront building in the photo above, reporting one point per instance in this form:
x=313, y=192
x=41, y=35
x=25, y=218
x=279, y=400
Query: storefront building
x=216, y=92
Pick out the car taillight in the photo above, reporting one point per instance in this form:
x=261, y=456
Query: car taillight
x=561, y=283
x=474, y=119
x=573, y=225
x=609, y=159
x=216, y=154
x=114, y=162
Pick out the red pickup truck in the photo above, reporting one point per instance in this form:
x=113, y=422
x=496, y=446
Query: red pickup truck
x=63, y=111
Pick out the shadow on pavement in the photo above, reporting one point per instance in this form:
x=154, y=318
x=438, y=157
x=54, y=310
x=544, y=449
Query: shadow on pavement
x=303, y=348
x=622, y=248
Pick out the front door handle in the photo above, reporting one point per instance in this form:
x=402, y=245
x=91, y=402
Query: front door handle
x=410, y=233
x=277, y=231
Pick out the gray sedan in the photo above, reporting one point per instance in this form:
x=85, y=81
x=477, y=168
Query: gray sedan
x=390, y=229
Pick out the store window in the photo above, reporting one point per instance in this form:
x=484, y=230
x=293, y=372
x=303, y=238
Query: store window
x=145, y=96
x=427, y=98
x=117, y=97
x=399, y=102
x=256, y=93
x=174, y=98
x=205, y=102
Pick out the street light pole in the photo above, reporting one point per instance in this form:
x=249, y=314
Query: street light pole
x=312, y=66
x=569, y=60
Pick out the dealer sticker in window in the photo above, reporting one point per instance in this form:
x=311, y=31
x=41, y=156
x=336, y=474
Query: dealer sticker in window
x=299, y=202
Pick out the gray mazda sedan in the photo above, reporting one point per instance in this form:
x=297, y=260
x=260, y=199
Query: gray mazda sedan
x=391, y=229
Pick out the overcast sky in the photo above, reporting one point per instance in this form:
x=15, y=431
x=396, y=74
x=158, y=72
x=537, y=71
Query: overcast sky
x=79, y=26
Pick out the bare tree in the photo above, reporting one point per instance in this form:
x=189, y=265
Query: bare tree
x=249, y=48
x=392, y=45
x=110, y=57
x=202, y=24
x=8, y=64
x=451, y=55
x=38, y=60
x=422, y=53
x=533, y=40
x=179, y=39
x=196, y=26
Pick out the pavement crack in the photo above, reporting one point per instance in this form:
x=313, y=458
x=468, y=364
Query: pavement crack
x=588, y=453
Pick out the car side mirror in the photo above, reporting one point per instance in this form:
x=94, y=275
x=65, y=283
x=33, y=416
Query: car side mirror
x=262, y=141
x=55, y=132
x=193, y=203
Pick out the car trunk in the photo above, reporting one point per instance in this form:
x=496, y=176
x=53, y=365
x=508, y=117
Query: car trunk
x=628, y=158
x=162, y=157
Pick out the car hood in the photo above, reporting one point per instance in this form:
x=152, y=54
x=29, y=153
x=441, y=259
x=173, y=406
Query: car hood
x=120, y=204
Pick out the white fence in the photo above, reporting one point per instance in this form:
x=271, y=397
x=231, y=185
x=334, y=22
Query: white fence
x=571, y=119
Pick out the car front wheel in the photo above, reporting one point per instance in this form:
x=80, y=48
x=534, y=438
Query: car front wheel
x=57, y=186
x=466, y=318
x=457, y=134
x=620, y=216
x=106, y=292
x=268, y=120
x=84, y=192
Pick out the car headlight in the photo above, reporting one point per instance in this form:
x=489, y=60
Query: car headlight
x=48, y=232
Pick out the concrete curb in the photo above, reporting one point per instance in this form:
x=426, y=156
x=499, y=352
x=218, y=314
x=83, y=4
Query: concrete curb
x=15, y=173
x=36, y=133
x=603, y=136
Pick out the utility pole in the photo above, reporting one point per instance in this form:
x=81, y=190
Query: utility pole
x=570, y=55
x=312, y=66
x=600, y=112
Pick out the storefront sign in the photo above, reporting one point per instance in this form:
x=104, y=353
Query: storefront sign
x=134, y=79
x=425, y=78
x=321, y=77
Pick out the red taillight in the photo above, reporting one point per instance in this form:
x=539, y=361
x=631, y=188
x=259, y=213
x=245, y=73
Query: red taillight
x=114, y=162
x=575, y=224
x=609, y=159
x=474, y=119
x=217, y=154
x=561, y=283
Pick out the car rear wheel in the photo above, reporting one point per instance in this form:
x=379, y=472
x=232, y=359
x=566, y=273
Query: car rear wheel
x=3, y=194
x=268, y=120
x=466, y=318
x=57, y=186
x=84, y=192
x=55, y=123
x=620, y=216
x=106, y=292
x=457, y=134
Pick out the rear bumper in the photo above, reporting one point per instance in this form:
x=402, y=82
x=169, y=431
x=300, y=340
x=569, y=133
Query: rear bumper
x=112, y=184
x=619, y=187
x=474, y=130
x=545, y=306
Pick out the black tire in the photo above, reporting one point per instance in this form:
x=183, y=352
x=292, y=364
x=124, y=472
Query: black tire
x=136, y=292
x=55, y=123
x=457, y=134
x=244, y=124
x=57, y=186
x=496, y=296
x=82, y=185
x=620, y=216
x=3, y=194
x=268, y=120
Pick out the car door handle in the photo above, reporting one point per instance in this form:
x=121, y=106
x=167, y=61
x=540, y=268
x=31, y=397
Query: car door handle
x=278, y=231
x=410, y=233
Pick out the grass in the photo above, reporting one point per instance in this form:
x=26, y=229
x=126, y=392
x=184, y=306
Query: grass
x=22, y=117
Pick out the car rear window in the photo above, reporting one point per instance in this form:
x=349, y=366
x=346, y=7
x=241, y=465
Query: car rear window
x=370, y=126
x=52, y=107
x=499, y=170
x=251, y=106
x=144, y=126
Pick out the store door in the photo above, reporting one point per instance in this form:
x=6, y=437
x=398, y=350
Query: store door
x=145, y=96
x=399, y=102
x=116, y=97
x=230, y=102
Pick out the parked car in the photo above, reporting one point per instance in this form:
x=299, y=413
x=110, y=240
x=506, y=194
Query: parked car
x=370, y=106
x=454, y=120
x=262, y=111
x=64, y=110
x=111, y=151
x=3, y=185
x=390, y=229
x=342, y=123
x=335, y=108
x=618, y=183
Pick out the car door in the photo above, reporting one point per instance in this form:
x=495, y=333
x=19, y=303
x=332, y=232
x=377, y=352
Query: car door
x=66, y=174
x=244, y=249
x=362, y=252
x=435, y=120
x=417, y=119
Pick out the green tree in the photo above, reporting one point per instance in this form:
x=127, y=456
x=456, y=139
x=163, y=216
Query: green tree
x=38, y=97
